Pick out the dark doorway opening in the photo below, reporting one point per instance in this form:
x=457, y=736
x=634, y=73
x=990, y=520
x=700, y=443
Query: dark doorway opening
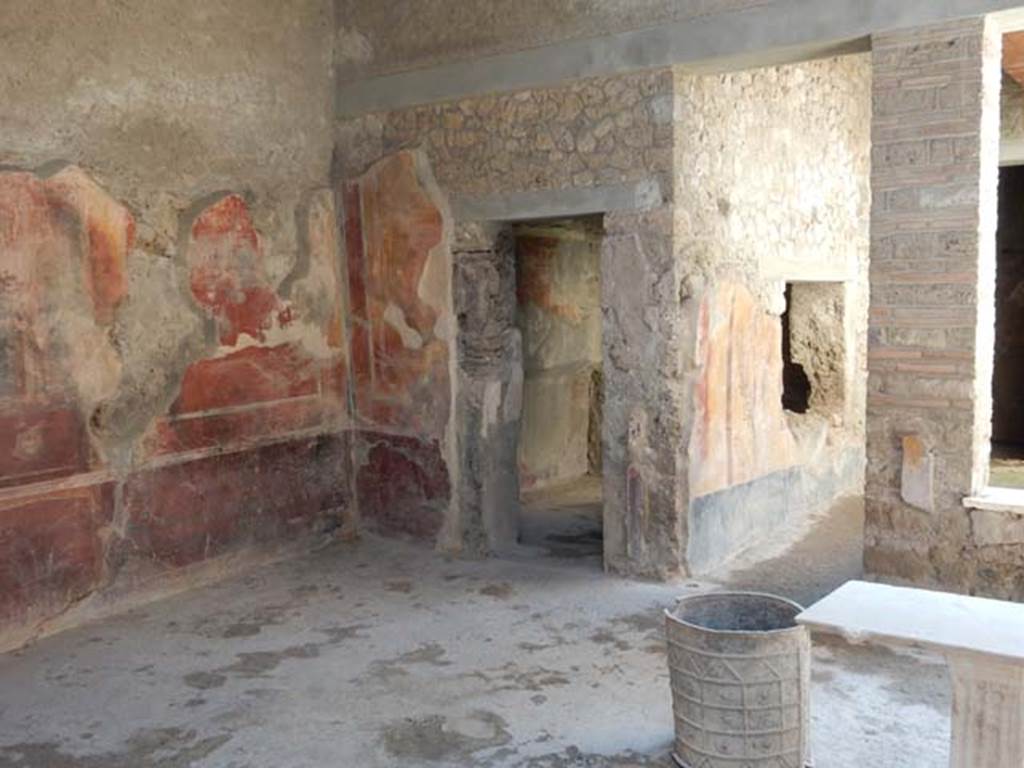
x=796, y=385
x=1008, y=370
x=558, y=292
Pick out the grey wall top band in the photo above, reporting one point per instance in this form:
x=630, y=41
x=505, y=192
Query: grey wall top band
x=787, y=30
x=558, y=203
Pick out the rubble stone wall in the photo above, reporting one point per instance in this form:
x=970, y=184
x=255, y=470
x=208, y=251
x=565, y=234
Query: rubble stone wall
x=761, y=178
x=580, y=136
x=587, y=133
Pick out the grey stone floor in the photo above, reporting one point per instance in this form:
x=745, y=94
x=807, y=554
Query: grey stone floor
x=383, y=653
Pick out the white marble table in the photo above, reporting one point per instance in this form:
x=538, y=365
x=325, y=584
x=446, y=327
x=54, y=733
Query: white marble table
x=982, y=640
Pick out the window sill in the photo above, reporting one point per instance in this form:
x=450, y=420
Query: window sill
x=998, y=500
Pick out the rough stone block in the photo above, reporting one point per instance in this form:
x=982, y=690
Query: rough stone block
x=993, y=528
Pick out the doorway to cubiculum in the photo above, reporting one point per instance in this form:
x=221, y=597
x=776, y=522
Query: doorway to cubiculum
x=1007, y=468
x=558, y=313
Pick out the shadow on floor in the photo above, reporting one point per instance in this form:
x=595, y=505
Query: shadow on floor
x=804, y=564
x=564, y=521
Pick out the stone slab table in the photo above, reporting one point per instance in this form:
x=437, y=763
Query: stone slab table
x=982, y=640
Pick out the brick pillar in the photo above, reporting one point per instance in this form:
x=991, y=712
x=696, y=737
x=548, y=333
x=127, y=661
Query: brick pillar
x=934, y=177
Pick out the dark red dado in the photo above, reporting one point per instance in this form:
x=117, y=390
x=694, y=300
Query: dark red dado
x=402, y=483
x=185, y=513
x=398, y=276
x=41, y=442
x=52, y=549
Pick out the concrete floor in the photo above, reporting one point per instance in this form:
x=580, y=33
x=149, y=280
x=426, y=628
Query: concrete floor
x=382, y=653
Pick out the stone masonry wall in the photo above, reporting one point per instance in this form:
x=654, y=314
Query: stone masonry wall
x=771, y=187
x=578, y=136
x=644, y=367
x=587, y=133
x=731, y=227
x=936, y=143
x=173, y=365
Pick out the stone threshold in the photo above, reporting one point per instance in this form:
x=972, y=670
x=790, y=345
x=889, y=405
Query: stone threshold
x=998, y=500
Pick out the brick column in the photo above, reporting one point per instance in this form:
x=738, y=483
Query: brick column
x=934, y=179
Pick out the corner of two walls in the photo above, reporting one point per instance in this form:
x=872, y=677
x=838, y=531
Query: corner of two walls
x=753, y=156
x=436, y=360
x=606, y=133
x=750, y=207
x=177, y=403
x=165, y=413
x=202, y=374
x=398, y=242
x=173, y=373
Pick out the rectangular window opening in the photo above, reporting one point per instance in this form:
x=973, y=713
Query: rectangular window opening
x=814, y=349
x=1007, y=467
